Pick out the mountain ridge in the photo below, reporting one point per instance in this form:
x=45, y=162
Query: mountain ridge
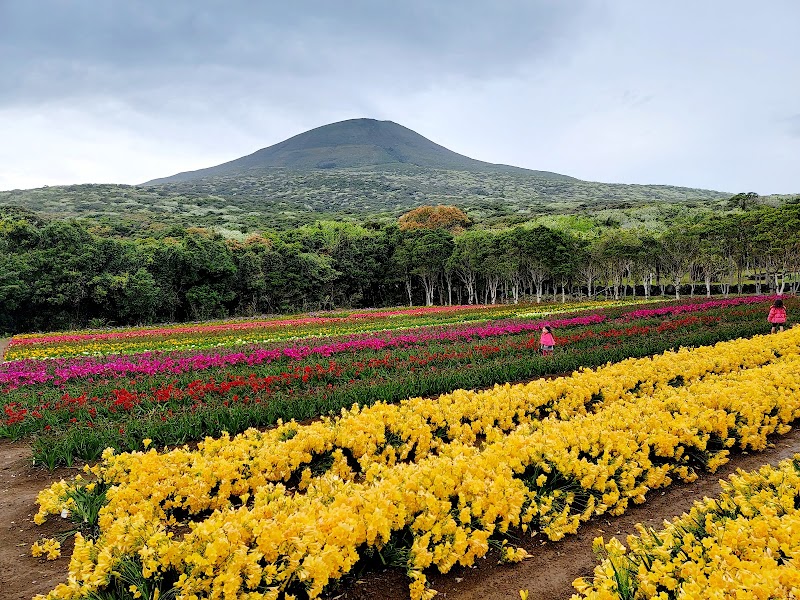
x=366, y=144
x=361, y=170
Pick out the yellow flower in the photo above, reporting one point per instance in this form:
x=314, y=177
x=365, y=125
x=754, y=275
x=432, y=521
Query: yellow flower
x=48, y=547
x=252, y=514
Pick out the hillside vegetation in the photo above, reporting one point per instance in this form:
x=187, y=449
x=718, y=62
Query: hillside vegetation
x=284, y=199
x=361, y=170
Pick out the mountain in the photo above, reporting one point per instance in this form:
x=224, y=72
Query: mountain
x=361, y=170
x=364, y=144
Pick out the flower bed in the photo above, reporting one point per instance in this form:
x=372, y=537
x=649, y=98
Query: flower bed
x=743, y=544
x=238, y=333
x=233, y=333
x=14, y=375
x=79, y=417
x=248, y=517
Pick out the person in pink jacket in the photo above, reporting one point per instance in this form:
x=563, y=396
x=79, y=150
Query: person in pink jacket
x=546, y=341
x=777, y=315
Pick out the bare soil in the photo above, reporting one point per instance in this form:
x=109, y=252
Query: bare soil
x=21, y=575
x=548, y=574
x=3, y=345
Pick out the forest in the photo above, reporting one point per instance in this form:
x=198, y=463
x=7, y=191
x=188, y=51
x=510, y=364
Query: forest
x=59, y=274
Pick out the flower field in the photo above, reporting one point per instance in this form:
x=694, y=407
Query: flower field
x=430, y=483
x=236, y=333
x=75, y=406
x=745, y=543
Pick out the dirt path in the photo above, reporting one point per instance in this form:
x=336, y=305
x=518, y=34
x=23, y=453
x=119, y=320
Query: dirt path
x=3, y=345
x=21, y=575
x=548, y=574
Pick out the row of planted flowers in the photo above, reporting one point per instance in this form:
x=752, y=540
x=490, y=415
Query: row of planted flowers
x=81, y=417
x=280, y=323
x=14, y=373
x=201, y=336
x=743, y=544
x=216, y=334
x=431, y=482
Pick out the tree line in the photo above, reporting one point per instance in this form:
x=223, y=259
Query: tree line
x=63, y=274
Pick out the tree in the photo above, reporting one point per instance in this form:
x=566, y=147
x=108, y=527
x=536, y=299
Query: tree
x=678, y=250
x=716, y=253
x=645, y=265
x=450, y=218
x=743, y=200
x=513, y=249
x=424, y=253
x=251, y=283
x=534, y=251
x=15, y=290
x=469, y=253
x=619, y=252
x=589, y=264
x=776, y=240
x=565, y=261
x=67, y=259
x=492, y=267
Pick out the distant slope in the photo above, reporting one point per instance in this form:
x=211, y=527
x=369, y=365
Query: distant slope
x=279, y=199
x=353, y=144
x=360, y=170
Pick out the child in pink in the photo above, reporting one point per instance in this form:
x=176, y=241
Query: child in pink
x=777, y=315
x=547, y=341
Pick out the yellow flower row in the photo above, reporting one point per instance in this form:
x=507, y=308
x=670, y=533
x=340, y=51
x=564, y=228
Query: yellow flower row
x=743, y=544
x=389, y=433
x=588, y=305
x=262, y=541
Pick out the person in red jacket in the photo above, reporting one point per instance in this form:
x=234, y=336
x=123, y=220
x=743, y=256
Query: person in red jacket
x=777, y=315
x=546, y=341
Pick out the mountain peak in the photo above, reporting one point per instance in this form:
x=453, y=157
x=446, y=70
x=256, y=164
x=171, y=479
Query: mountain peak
x=353, y=144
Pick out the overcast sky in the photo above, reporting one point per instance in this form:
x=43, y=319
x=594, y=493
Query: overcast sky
x=692, y=93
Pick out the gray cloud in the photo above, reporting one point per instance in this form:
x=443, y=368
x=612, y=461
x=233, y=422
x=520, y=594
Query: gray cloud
x=52, y=48
x=678, y=93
